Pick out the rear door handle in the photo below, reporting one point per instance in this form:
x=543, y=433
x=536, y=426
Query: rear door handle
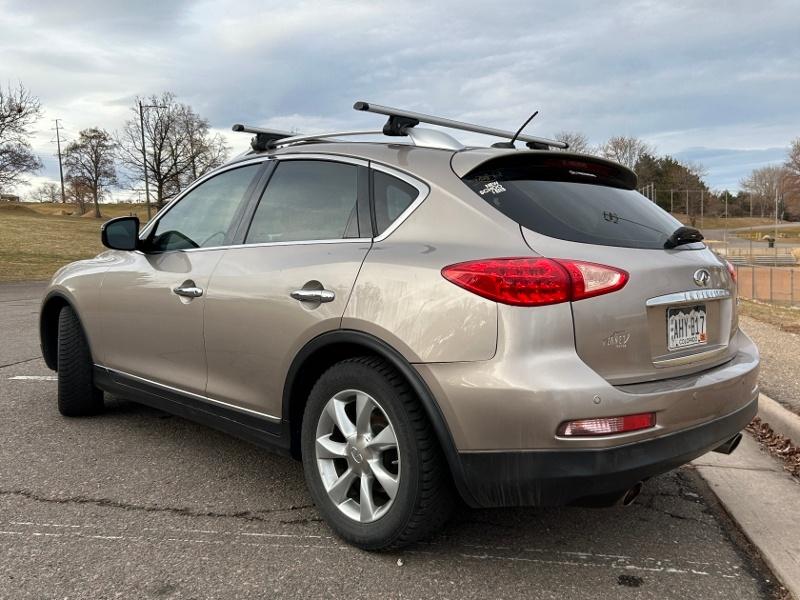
x=188, y=291
x=313, y=295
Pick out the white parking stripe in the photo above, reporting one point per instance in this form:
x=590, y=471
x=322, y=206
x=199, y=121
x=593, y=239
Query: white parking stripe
x=33, y=378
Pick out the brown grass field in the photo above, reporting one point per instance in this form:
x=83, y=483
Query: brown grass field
x=36, y=239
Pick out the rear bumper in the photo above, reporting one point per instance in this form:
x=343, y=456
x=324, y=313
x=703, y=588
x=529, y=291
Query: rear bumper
x=558, y=477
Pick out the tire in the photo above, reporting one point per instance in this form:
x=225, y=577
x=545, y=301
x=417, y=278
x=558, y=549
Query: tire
x=423, y=496
x=77, y=395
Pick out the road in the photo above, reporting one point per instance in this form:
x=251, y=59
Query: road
x=137, y=504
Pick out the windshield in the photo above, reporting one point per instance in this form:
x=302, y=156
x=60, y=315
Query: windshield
x=577, y=210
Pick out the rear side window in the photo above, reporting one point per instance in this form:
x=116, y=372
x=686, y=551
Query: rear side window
x=307, y=200
x=578, y=202
x=392, y=196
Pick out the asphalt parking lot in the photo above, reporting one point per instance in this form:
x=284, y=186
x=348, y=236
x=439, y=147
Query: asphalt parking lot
x=138, y=504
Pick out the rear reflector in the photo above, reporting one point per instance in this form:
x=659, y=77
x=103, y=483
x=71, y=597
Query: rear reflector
x=535, y=281
x=607, y=425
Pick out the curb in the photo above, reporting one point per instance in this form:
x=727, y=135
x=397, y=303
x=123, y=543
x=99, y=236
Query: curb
x=761, y=498
x=782, y=420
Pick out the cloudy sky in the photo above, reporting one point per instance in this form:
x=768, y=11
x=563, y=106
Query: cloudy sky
x=714, y=82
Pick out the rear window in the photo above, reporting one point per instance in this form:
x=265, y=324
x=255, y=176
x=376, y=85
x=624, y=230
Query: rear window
x=575, y=201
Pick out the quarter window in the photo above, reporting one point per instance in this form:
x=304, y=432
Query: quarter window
x=307, y=200
x=204, y=216
x=392, y=196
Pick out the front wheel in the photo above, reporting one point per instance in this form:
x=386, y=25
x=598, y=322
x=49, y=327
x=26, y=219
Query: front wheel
x=372, y=462
x=77, y=395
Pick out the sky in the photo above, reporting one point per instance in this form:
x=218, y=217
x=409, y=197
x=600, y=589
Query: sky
x=711, y=82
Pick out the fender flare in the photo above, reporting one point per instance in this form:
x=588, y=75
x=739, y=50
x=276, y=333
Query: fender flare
x=398, y=361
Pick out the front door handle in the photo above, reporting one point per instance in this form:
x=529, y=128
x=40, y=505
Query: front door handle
x=188, y=291
x=313, y=295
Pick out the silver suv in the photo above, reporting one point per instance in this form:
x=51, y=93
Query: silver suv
x=417, y=322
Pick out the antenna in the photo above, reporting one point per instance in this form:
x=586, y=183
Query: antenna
x=516, y=135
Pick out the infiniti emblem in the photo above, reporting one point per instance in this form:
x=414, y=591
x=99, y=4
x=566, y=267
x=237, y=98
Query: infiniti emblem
x=702, y=277
x=356, y=455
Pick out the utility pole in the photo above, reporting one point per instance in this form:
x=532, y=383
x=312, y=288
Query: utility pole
x=687, y=202
x=144, y=161
x=701, y=208
x=60, y=167
x=671, y=204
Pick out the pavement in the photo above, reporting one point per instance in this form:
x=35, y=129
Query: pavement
x=135, y=503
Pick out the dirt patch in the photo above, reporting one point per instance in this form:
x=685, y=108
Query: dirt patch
x=777, y=445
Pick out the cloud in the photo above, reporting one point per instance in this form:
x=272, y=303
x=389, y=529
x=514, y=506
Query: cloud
x=682, y=75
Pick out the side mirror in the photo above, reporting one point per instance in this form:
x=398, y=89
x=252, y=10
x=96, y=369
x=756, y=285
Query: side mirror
x=121, y=233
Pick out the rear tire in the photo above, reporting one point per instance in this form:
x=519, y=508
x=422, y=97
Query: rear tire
x=77, y=395
x=423, y=497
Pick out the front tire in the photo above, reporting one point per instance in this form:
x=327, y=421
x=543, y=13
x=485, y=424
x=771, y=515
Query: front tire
x=372, y=462
x=77, y=395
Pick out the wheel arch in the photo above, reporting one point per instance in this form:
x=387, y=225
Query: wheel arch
x=48, y=325
x=331, y=347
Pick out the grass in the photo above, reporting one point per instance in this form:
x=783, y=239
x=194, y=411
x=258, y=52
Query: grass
x=35, y=240
x=719, y=222
x=787, y=319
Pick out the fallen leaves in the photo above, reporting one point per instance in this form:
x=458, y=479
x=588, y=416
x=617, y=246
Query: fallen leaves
x=777, y=445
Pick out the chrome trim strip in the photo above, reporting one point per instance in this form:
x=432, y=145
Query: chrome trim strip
x=691, y=358
x=321, y=156
x=267, y=244
x=192, y=394
x=688, y=296
x=423, y=189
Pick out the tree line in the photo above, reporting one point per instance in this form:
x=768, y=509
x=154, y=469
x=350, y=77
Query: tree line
x=178, y=144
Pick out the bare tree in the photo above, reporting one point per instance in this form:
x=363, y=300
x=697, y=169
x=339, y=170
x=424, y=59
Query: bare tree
x=626, y=150
x=577, y=141
x=79, y=193
x=206, y=151
x=90, y=161
x=178, y=144
x=793, y=172
x=19, y=110
x=764, y=184
x=47, y=192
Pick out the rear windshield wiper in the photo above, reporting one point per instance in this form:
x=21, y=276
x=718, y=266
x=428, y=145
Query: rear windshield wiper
x=683, y=235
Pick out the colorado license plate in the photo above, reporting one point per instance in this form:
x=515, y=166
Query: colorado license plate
x=686, y=327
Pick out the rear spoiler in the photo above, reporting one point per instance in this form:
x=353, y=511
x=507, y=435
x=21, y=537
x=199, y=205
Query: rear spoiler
x=559, y=166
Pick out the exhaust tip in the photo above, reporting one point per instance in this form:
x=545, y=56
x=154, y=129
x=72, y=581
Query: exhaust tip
x=730, y=445
x=631, y=495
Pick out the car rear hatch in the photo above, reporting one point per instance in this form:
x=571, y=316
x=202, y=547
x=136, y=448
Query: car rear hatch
x=676, y=313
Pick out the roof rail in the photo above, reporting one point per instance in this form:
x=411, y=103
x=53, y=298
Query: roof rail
x=400, y=121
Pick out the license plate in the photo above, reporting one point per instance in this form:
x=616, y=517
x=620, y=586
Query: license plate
x=686, y=327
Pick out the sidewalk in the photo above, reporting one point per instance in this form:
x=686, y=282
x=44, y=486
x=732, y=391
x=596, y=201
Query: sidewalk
x=761, y=497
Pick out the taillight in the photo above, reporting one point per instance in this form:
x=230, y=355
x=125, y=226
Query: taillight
x=731, y=271
x=535, y=281
x=607, y=425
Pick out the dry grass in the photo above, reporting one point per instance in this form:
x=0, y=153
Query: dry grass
x=787, y=319
x=720, y=223
x=35, y=241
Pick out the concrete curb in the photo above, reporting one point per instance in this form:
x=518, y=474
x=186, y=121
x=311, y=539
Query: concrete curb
x=761, y=496
x=781, y=420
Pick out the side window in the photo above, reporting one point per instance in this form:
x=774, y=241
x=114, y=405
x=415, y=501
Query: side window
x=392, y=196
x=307, y=200
x=203, y=217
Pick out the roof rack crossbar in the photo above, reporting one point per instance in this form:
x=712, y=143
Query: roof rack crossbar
x=395, y=113
x=263, y=137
